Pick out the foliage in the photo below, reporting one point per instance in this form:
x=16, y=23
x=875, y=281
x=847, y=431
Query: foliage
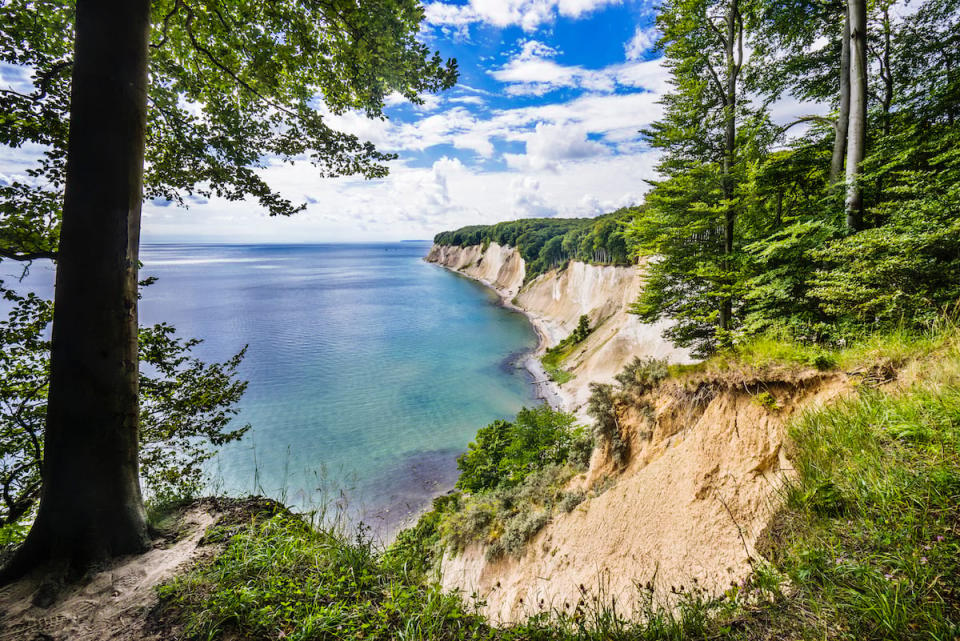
x=553, y=358
x=872, y=544
x=504, y=453
x=641, y=375
x=548, y=243
x=231, y=85
x=282, y=578
x=24, y=367
x=637, y=378
x=512, y=477
x=794, y=268
x=186, y=408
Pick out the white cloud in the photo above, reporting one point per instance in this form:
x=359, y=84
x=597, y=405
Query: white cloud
x=644, y=38
x=526, y=199
x=411, y=202
x=527, y=14
x=550, y=144
x=468, y=100
x=532, y=71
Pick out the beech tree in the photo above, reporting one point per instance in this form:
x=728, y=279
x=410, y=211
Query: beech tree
x=693, y=214
x=857, y=122
x=231, y=83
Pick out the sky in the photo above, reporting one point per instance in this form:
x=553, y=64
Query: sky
x=544, y=121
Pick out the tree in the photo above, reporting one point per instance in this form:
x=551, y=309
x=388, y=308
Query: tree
x=693, y=214
x=857, y=124
x=230, y=82
x=186, y=407
x=803, y=48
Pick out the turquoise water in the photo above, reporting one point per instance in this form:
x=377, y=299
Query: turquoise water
x=369, y=369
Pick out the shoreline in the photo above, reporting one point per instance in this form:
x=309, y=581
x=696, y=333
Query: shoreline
x=544, y=388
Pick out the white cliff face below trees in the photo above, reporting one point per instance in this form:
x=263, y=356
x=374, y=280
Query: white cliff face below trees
x=554, y=303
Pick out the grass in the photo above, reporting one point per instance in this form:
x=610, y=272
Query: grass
x=866, y=546
x=553, y=360
x=282, y=578
x=871, y=537
x=782, y=350
x=557, y=374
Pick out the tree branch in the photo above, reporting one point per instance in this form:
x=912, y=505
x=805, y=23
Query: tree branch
x=13, y=254
x=811, y=118
x=240, y=81
x=716, y=79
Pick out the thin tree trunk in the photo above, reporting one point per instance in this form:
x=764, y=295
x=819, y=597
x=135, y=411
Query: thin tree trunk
x=730, y=150
x=90, y=507
x=886, y=72
x=857, y=130
x=886, y=75
x=843, y=113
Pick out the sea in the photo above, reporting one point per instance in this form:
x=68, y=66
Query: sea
x=369, y=369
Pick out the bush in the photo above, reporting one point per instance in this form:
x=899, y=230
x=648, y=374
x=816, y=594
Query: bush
x=642, y=375
x=602, y=408
x=505, y=453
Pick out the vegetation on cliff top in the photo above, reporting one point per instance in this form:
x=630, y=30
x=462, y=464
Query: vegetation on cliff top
x=547, y=243
x=866, y=547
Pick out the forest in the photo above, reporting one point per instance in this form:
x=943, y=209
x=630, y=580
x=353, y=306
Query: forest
x=850, y=227
x=548, y=243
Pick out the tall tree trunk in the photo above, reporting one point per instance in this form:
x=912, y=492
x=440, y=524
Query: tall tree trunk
x=886, y=71
x=843, y=113
x=90, y=507
x=886, y=75
x=857, y=129
x=729, y=152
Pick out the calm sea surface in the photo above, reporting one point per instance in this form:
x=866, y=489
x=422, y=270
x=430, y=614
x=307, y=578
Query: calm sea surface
x=369, y=369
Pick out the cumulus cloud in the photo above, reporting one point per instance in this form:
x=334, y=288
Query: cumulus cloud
x=533, y=71
x=644, y=38
x=526, y=14
x=527, y=201
x=550, y=144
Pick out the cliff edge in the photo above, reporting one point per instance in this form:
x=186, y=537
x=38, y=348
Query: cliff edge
x=555, y=301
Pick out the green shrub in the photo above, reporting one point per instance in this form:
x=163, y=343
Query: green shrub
x=642, y=375
x=606, y=428
x=504, y=453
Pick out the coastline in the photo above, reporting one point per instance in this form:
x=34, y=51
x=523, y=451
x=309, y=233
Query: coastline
x=544, y=388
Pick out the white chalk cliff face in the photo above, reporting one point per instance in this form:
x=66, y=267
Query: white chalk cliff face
x=554, y=302
x=700, y=487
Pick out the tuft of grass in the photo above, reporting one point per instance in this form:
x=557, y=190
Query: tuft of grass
x=873, y=544
x=281, y=578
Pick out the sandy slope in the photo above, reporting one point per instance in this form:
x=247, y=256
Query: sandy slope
x=706, y=461
x=114, y=603
x=688, y=511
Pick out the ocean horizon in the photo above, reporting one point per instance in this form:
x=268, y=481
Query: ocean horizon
x=369, y=369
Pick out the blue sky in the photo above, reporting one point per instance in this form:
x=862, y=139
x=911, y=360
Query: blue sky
x=543, y=122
